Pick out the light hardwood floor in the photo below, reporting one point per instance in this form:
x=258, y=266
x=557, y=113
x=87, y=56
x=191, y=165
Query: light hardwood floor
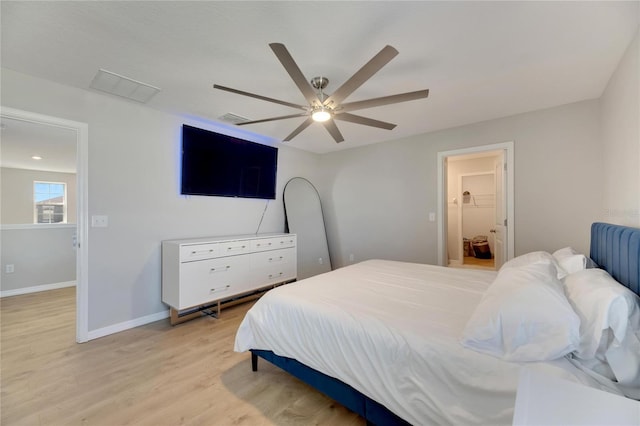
x=474, y=261
x=151, y=375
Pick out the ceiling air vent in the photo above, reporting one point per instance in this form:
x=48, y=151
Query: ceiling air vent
x=233, y=118
x=115, y=84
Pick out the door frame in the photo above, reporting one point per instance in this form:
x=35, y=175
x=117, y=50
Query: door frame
x=82, y=247
x=507, y=148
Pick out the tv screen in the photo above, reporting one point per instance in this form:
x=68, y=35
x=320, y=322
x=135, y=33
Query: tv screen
x=220, y=165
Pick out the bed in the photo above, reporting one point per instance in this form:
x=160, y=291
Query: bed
x=383, y=338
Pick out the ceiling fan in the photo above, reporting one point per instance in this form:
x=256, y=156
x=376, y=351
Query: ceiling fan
x=328, y=108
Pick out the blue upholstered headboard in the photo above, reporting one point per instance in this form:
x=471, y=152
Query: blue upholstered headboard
x=616, y=249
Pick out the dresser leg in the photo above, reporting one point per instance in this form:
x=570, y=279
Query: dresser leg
x=177, y=319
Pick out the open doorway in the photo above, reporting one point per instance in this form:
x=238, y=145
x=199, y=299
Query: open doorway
x=475, y=205
x=471, y=205
x=58, y=197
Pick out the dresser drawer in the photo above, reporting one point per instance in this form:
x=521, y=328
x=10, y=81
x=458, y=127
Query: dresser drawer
x=273, y=243
x=272, y=258
x=229, y=248
x=273, y=266
x=192, y=252
x=264, y=244
x=208, y=280
x=274, y=275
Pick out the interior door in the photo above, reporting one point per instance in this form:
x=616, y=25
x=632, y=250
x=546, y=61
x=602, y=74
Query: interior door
x=500, y=229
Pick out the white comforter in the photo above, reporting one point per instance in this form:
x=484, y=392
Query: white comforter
x=391, y=330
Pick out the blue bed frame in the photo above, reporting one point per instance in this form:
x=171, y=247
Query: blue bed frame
x=614, y=248
x=373, y=412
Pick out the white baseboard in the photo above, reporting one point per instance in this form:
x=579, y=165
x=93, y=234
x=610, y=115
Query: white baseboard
x=454, y=262
x=116, y=328
x=37, y=288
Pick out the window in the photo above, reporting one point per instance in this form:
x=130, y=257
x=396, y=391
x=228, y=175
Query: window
x=50, y=201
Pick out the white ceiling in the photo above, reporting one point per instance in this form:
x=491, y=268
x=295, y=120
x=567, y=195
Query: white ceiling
x=480, y=60
x=21, y=140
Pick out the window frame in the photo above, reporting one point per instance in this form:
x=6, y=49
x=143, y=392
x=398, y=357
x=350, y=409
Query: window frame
x=64, y=202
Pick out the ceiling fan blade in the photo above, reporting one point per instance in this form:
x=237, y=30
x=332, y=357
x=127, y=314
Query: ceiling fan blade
x=363, y=74
x=292, y=68
x=384, y=100
x=253, y=95
x=306, y=123
x=345, y=116
x=332, y=128
x=264, y=120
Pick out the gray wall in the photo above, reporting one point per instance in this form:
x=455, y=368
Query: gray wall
x=41, y=255
x=621, y=136
x=378, y=197
x=17, y=193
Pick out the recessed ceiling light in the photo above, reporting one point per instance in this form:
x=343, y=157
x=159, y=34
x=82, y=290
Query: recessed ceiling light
x=37, y=157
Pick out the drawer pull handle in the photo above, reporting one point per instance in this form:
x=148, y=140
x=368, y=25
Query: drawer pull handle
x=278, y=275
x=226, y=268
x=194, y=252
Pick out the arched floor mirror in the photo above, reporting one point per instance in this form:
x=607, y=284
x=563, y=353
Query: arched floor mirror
x=303, y=213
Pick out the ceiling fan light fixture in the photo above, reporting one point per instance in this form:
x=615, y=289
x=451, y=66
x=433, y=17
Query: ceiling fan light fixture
x=328, y=109
x=321, y=114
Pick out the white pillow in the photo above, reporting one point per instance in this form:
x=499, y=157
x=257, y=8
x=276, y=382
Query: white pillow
x=606, y=307
x=535, y=257
x=570, y=260
x=601, y=303
x=524, y=316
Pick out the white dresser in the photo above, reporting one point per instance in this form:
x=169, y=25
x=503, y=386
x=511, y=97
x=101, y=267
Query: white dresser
x=203, y=271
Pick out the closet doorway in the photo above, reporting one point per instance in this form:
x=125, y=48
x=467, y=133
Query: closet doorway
x=472, y=213
x=475, y=205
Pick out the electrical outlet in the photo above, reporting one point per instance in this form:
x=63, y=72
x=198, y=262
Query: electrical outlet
x=9, y=269
x=351, y=257
x=432, y=217
x=99, y=221
x=320, y=261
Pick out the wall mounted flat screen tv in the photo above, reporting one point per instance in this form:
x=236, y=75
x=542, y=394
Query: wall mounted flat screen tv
x=219, y=165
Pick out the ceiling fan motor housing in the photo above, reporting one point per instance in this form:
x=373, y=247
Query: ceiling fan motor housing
x=319, y=82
